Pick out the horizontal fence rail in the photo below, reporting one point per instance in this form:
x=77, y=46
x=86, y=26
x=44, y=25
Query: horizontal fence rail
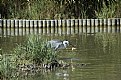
x=67, y=26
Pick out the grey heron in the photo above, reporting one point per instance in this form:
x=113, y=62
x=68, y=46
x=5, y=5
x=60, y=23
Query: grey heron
x=58, y=44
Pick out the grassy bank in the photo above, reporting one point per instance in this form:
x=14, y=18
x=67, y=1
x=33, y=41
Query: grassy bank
x=60, y=9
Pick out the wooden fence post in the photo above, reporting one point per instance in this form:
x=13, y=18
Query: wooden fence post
x=68, y=22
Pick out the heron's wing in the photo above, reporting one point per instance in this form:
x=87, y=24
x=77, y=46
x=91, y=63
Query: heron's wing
x=60, y=46
x=53, y=43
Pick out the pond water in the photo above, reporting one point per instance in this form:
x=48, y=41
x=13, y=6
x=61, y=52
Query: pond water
x=96, y=57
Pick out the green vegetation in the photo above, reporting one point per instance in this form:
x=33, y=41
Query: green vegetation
x=7, y=66
x=33, y=54
x=60, y=9
x=35, y=50
x=111, y=11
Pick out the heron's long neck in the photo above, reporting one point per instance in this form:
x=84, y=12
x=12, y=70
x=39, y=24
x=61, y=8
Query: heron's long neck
x=65, y=45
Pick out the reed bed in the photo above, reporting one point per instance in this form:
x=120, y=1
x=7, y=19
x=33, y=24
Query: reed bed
x=33, y=55
x=59, y=9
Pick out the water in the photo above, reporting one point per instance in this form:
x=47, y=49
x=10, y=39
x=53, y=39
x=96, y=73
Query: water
x=96, y=57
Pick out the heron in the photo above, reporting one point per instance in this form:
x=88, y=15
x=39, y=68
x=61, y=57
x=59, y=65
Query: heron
x=58, y=44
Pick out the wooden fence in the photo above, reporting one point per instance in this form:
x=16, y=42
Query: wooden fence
x=67, y=26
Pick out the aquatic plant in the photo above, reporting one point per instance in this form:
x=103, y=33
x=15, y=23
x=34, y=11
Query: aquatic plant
x=7, y=66
x=35, y=50
x=33, y=54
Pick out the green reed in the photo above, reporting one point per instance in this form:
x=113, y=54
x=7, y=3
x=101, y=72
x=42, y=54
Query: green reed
x=35, y=50
x=110, y=11
x=7, y=65
x=59, y=9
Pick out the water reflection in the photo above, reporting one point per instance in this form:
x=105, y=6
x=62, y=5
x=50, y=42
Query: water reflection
x=61, y=30
x=97, y=57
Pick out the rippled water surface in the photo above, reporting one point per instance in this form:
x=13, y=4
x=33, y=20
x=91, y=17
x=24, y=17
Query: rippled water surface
x=96, y=57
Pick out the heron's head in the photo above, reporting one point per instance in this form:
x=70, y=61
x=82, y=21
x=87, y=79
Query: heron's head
x=66, y=43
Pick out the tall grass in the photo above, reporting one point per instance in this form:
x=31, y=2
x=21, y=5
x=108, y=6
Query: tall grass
x=7, y=65
x=35, y=50
x=60, y=9
x=108, y=11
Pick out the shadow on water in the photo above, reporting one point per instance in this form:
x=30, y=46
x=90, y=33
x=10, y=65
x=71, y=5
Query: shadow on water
x=96, y=57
